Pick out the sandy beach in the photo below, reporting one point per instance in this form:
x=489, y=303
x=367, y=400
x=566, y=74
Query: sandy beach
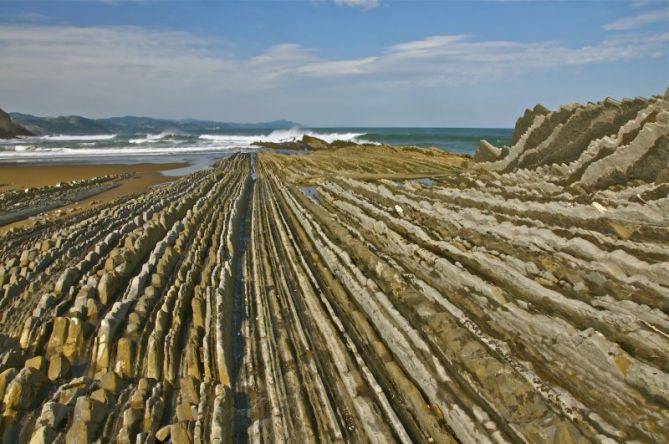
x=141, y=177
x=38, y=175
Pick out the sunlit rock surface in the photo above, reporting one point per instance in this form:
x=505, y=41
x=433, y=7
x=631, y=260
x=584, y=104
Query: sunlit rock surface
x=359, y=294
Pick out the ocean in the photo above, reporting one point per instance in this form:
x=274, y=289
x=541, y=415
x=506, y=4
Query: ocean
x=201, y=149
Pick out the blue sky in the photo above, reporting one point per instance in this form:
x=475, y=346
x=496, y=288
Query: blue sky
x=328, y=62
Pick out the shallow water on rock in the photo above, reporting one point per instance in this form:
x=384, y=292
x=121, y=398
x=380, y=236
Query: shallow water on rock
x=311, y=192
x=423, y=181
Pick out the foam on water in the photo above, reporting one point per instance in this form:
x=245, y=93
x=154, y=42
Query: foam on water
x=218, y=144
x=163, y=144
x=279, y=136
x=64, y=137
x=52, y=152
x=153, y=138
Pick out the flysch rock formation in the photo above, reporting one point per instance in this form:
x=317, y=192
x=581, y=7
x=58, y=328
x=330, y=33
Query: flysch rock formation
x=355, y=294
x=23, y=203
x=593, y=146
x=9, y=129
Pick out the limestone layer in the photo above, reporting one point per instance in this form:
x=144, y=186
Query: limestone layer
x=592, y=146
x=353, y=294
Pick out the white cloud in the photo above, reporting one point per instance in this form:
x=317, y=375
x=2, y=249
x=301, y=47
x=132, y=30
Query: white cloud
x=641, y=3
x=457, y=60
x=115, y=70
x=639, y=20
x=278, y=60
x=32, y=17
x=428, y=43
x=364, y=4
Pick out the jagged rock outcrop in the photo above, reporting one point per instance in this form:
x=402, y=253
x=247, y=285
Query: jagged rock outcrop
x=526, y=120
x=357, y=295
x=307, y=143
x=314, y=143
x=592, y=146
x=487, y=152
x=9, y=129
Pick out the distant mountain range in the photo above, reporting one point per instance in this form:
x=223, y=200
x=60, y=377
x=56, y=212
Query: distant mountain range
x=77, y=125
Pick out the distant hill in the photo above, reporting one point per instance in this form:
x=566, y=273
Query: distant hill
x=10, y=129
x=77, y=125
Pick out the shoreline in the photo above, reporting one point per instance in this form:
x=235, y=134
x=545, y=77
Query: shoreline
x=39, y=174
x=387, y=294
x=135, y=178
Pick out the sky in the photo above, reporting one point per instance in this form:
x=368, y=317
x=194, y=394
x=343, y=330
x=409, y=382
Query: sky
x=328, y=63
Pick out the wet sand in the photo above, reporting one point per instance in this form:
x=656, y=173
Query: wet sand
x=144, y=176
x=14, y=176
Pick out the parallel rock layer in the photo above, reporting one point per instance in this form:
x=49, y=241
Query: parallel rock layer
x=353, y=294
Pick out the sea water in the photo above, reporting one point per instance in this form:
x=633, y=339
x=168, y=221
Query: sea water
x=202, y=149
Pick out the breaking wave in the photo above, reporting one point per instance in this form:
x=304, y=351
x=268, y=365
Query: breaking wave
x=153, y=138
x=163, y=144
x=279, y=136
x=64, y=137
x=63, y=152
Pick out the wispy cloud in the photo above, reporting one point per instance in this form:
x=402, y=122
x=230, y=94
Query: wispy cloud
x=103, y=53
x=458, y=59
x=639, y=20
x=641, y=3
x=143, y=70
x=32, y=17
x=364, y=4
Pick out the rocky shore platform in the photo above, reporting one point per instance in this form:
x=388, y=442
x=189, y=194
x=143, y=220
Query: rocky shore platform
x=32, y=194
x=359, y=294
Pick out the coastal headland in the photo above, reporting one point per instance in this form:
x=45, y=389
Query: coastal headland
x=355, y=294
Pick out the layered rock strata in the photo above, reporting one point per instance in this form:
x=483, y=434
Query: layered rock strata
x=349, y=295
x=592, y=146
x=23, y=203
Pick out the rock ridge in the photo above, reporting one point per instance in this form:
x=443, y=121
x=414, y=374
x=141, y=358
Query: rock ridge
x=592, y=146
x=356, y=294
x=9, y=129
